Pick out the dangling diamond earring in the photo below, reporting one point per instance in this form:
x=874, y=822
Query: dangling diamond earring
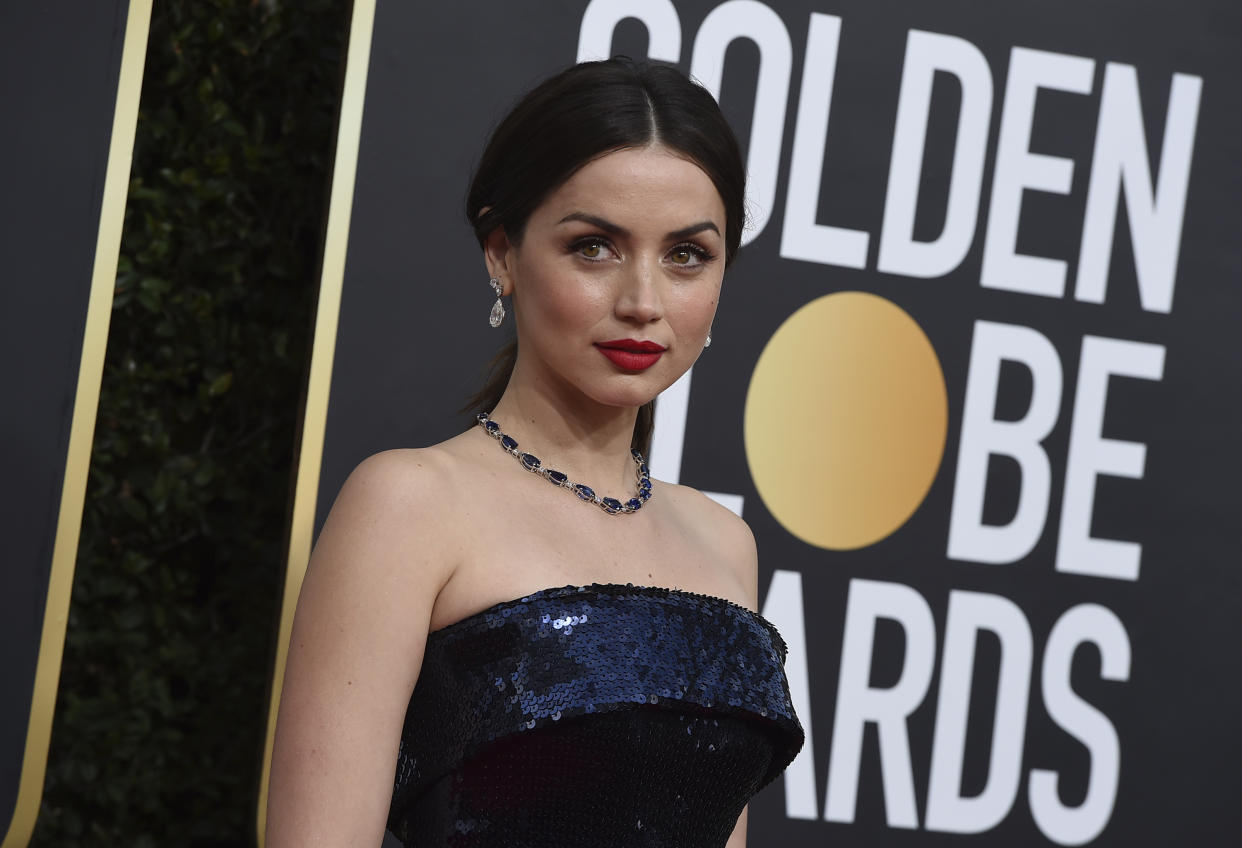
x=708, y=343
x=498, y=308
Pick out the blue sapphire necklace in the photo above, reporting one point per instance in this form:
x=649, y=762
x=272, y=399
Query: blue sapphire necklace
x=532, y=463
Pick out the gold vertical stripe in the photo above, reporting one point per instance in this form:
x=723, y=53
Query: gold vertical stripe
x=82, y=428
x=336, y=239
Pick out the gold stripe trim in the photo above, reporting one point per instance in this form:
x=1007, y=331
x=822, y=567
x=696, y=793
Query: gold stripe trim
x=82, y=428
x=323, y=350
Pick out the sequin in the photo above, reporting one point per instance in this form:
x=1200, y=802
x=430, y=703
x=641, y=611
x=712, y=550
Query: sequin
x=569, y=715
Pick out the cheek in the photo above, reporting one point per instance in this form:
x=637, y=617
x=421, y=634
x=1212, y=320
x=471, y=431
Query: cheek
x=564, y=301
x=697, y=309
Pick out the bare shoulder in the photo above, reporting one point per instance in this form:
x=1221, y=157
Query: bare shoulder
x=392, y=495
x=726, y=536
x=390, y=535
x=399, y=476
x=391, y=478
x=718, y=521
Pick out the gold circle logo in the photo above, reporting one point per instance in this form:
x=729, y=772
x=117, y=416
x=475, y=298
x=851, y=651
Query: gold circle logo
x=845, y=422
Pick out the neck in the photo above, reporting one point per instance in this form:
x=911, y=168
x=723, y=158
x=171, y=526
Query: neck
x=587, y=440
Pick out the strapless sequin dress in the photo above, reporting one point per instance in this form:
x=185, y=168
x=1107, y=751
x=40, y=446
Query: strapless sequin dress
x=601, y=715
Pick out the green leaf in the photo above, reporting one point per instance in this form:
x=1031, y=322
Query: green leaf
x=220, y=384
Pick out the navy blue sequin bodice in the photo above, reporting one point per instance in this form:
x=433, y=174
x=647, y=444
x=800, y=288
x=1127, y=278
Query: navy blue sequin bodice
x=599, y=715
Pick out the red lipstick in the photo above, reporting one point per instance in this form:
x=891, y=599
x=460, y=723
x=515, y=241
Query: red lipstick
x=630, y=354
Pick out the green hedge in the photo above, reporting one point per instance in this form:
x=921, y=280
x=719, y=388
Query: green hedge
x=158, y=731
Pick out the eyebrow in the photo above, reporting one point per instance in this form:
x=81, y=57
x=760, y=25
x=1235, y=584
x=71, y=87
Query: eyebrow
x=613, y=229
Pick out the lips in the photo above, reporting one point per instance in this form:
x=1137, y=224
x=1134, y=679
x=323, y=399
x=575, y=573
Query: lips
x=631, y=354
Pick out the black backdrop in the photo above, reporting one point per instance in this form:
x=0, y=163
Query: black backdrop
x=989, y=619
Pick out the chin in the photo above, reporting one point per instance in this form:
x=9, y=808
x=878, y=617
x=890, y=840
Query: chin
x=628, y=401
x=634, y=395
x=638, y=399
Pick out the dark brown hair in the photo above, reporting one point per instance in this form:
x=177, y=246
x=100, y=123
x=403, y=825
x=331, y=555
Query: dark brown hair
x=582, y=113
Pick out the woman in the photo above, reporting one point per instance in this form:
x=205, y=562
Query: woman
x=560, y=699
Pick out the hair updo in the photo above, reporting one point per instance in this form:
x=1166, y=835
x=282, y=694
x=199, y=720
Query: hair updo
x=576, y=116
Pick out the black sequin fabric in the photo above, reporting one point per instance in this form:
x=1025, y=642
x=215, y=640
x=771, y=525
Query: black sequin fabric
x=601, y=715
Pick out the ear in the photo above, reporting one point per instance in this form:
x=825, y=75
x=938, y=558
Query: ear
x=499, y=256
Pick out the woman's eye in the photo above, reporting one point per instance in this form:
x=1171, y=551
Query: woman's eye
x=591, y=248
x=688, y=255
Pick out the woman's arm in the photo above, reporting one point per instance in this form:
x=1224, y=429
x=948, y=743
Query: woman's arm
x=738, y=837
x=356, y=647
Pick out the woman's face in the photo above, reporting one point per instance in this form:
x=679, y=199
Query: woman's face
x=617, y=276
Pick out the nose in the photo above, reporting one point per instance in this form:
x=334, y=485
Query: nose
x=638, y=297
